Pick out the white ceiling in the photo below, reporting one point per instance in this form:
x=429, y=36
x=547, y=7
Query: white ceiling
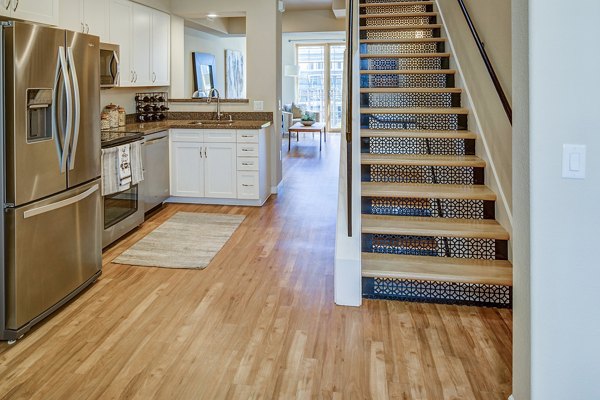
x=294, y=5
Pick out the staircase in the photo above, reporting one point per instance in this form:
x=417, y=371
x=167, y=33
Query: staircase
x=428, y=221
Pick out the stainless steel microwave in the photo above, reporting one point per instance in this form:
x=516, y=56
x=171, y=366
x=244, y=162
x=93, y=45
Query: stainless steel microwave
x=109, y=65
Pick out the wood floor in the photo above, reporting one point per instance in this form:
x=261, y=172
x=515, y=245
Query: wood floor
x=259, y=322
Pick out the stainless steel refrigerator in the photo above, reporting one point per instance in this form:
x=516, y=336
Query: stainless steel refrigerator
x=52, y=231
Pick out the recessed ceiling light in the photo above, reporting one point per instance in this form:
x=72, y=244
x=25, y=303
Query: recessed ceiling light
x=213, y=15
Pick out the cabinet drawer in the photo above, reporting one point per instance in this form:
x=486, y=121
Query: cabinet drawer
x=247, y=137
x=248, y=185
x=187, y=135
x=219, y=136
x=247, y=150
x=247, y=163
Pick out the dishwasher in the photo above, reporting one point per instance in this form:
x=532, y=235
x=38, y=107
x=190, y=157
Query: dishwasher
x=155, y=158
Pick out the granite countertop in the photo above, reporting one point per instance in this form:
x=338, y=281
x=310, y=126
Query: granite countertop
x=204, y=100
x=147, y=128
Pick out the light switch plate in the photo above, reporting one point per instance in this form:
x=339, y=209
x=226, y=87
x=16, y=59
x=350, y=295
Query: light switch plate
x=573, y=163
x=259, y=105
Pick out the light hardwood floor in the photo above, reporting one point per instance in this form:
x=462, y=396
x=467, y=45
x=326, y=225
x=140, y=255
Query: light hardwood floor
x=259, y=322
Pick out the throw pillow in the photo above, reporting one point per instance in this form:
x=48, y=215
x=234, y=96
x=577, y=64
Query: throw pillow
x=297, y=111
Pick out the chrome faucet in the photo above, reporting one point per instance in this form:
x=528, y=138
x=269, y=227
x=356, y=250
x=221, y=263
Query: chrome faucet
x=210, y=93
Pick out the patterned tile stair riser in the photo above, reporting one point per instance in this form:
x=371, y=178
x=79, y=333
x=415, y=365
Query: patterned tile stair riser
x=403, y=65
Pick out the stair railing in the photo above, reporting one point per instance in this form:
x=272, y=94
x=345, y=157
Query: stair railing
x=349, y=108
x=487, y=62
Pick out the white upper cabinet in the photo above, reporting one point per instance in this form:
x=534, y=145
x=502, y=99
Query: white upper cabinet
x=95, y=18
x=5, y=9
x=120, y=28
x=142, y=36
x=161, y=48
x=71, y=15
x=42, y=11
x=88, y=16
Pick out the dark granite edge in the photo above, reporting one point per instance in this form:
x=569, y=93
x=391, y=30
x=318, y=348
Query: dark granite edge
x=204, y=100
x=192, y=116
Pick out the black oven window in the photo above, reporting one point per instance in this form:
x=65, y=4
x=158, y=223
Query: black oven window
x=119, y=206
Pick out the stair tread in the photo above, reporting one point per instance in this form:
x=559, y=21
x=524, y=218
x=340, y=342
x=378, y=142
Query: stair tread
x=418, y=134
x=427, y=191
x=393, y=15
x=421, y=159
x=440, y=269
x=415, y=110
x=407, y=71
x=407, y=40
x=428, y=226
x=400, y=27
x=397, y=3
x=411, y=90
x=406, y=55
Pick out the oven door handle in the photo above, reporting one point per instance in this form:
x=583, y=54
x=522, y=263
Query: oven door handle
x=60, y=204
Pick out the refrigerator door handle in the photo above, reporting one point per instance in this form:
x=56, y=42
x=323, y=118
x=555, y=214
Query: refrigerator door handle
x=69, y=128
x=61, y=68
x=55, y=88
x=77, y=112
x=59, y=204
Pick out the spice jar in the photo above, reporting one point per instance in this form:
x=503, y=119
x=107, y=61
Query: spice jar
x=113, y=114
x=104, y=121
x=122, y=116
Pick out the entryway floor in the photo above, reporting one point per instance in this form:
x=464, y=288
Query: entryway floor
x=259, y=321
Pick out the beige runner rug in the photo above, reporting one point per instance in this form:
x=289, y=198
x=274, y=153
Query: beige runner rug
x=186, y=240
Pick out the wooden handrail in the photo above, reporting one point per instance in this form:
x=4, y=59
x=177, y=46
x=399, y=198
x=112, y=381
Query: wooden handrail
x=349, y=78
x=486, y=60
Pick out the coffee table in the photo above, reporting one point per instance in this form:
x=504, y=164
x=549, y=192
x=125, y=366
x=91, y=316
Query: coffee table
x=299, y=127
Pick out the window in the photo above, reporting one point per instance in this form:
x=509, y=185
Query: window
x=319, y=89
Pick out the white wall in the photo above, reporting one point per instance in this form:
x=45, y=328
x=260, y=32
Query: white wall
x=289, y=55
x=521, y=204
x=195, y=40
x=564, y=218
x=312, y=21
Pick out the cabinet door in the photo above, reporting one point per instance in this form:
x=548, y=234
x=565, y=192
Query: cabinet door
x=142, y=29
x=42, y=11
x=187, y=169
x=220, y=170
x=120, y=32
x=95, y=18
x=71, y=15
x=5, y=8
x=161, y=54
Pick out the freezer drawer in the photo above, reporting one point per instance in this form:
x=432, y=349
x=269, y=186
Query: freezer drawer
x=52, y=248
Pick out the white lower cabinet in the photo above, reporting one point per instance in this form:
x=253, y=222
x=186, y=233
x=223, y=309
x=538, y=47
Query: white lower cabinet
x=248, y=185
x=220, y=170
x=219, y=164
x=187, y=169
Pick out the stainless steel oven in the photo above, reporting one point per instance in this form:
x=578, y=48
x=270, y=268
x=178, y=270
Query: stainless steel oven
x=109, y=65
x=122, y=211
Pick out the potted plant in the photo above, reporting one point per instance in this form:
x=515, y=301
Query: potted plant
x=307, y=119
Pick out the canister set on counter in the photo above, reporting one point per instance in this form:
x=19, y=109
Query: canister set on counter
x=113, y=116
x=151, y=106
